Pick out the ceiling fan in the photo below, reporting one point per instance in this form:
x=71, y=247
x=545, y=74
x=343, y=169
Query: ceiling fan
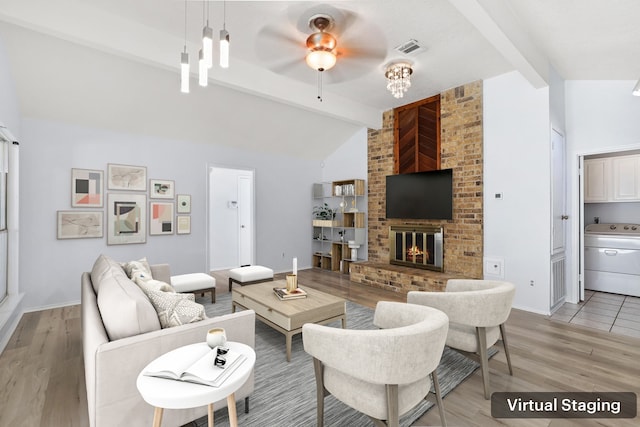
x=338, y=44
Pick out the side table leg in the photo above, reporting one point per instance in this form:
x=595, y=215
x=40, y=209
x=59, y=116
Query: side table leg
x=210, y=414
x=157, y=417
x=231, y=406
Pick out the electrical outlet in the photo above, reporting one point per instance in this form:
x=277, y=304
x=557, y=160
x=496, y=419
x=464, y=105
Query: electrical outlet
x=531, y=283
x=282, y=254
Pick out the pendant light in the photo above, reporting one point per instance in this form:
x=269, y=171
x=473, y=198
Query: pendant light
x=207, y=40
x=203, y=70
x=224, y=39
x=184, y=58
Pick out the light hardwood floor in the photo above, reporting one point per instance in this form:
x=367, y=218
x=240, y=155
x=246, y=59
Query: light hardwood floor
x=42, y=380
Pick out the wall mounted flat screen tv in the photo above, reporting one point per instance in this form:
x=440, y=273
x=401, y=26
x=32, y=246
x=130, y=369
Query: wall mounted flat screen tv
x=420, y=195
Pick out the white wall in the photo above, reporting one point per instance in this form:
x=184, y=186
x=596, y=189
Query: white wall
x=50, y=269
x=516, y=164
x=349, y=161
x=9, y=112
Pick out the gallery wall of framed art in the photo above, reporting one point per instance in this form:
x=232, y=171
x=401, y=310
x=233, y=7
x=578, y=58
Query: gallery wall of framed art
x=129, y=219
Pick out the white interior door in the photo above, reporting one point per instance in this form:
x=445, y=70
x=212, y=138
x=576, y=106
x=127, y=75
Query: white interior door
x=559, y=217
x=581, y=197
x=245, y=220
x=559, y=193
x=231, y=218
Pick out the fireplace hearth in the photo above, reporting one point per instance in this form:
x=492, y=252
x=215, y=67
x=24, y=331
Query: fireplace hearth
x=416, y=246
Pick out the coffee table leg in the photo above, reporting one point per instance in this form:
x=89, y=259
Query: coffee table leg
x=210, y=414
x=288, y=343
x=157, y=417
x=344, y=322
x=231, y=406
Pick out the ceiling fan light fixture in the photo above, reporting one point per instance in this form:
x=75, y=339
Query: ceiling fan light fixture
x=636, y=89
x=398, y=78
x=321, y=45
x=321, y=60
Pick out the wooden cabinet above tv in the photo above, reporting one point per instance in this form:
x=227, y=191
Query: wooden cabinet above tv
x=417, y=136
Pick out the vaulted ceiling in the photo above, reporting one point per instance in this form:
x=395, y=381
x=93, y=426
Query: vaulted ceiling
x=118, y=49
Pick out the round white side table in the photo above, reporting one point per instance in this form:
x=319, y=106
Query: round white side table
x=171, y=394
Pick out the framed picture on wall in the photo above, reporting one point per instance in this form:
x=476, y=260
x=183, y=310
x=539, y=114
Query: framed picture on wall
x=87, y=188
x=184, y=203
x=160, y=218
x=184, y=224
x=126, y=216
x=80, y=224
x=125, y=177
x=162, y=188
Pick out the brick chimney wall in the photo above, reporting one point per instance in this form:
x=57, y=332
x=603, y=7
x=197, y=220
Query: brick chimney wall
x=461, y=150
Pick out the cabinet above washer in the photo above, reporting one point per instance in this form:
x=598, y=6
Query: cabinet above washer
x=612, y=179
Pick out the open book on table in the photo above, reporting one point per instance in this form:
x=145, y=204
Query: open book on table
x=198, y=368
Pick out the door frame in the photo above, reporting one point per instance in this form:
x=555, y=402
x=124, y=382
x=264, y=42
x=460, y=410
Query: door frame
x=575, y=290
x=208, y=212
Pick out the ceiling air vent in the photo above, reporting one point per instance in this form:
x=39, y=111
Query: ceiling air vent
x=408, y=47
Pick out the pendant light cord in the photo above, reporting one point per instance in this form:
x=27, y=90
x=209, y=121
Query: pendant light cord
x=185, y=26
x=319, y=85
x=224, y=15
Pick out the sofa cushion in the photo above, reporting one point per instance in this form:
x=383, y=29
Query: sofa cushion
x=102, y=265
x=125, y=309
x=174, y=309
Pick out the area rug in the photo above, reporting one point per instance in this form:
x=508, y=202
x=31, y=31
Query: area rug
x=285, y=392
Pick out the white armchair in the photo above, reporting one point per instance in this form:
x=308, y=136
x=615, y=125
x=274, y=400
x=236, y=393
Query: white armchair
x=477, y=310
x=381, y=373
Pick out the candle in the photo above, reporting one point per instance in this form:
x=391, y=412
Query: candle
x=295, y=266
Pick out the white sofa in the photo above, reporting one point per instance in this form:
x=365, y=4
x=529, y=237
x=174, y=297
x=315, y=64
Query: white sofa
x=120, y=336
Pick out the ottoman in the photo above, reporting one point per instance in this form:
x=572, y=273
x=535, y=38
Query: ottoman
x=196, y=283
x=249, y=274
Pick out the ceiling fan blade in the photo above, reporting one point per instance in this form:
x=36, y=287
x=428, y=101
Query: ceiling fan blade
x=272, y=41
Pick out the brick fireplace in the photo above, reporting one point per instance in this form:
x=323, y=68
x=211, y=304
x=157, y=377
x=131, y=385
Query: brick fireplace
x=461, y=150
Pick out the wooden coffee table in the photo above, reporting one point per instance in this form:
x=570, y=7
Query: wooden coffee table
x=288, y=317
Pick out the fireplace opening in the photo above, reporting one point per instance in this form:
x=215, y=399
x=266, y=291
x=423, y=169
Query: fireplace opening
x=416, y=246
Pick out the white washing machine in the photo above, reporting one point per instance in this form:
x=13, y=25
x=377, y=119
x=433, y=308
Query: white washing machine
x=612, y=258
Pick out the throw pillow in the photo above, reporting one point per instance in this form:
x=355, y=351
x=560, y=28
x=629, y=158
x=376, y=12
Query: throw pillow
x=141, y=279
x=139, y=266
x=174, y=309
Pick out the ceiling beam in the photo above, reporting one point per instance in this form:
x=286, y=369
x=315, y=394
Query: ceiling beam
x=497, y=23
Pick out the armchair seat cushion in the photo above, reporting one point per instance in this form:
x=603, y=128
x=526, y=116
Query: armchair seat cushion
x=370, y=398
x=463, y=337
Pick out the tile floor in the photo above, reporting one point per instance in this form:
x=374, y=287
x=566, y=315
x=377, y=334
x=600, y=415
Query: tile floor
x=614, y=313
